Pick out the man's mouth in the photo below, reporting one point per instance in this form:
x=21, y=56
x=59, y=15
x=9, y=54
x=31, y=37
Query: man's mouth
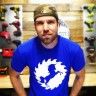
x=46, y=35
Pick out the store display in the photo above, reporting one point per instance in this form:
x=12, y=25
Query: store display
x=89, y=17
x=10, y=34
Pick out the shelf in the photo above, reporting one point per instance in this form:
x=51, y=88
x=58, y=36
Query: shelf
x=13, y=1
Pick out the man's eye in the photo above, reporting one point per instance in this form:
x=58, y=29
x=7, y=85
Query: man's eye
x=39, y=23
x=51, y=22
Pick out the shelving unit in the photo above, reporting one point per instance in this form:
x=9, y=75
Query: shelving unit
x=10, y=33
x=89, y=25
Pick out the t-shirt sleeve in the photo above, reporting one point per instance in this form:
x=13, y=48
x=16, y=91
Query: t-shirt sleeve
x=18, y=62
x=78, y=61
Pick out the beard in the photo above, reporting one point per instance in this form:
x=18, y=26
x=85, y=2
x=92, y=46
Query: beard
x=48, y=39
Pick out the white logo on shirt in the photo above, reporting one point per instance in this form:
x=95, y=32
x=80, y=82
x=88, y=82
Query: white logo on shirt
x=50, y=74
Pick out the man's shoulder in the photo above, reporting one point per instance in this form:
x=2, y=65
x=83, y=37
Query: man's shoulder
x=27, y=45
x=28, y=42
x=68, y=42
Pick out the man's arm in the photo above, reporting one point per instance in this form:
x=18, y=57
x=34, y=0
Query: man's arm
x=78, y=82
x=16, y=82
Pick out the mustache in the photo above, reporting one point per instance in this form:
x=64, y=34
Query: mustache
x=47, y=33
x=44, y=34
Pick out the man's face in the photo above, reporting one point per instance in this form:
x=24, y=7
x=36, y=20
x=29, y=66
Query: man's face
x=46, y=28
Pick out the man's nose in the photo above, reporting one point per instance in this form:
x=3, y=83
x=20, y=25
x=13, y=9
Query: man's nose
x=46, y=27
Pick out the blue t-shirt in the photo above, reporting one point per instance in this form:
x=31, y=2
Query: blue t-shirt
x=49, y=68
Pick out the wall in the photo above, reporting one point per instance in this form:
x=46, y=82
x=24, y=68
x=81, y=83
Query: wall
x=72, y=14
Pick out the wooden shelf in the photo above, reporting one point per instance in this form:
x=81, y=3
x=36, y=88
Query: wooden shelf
x=13, y=1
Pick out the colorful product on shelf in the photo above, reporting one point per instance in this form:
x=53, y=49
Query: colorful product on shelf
x=2, y=13
x=4, y=33
x=7, y=52
x=91, y=40
x=16, y=10
x=16, y=42
x=3, y=70
x=17, y=26
x=89, y=23
x=90, y=8
x=91, y=54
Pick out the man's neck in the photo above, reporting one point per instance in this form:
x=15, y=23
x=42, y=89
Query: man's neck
x=50, y=45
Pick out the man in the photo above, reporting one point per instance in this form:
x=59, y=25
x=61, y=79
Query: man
x=47, y=49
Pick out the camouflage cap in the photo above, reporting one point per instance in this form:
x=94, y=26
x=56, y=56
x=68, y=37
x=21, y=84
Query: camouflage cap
x=45, y=10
